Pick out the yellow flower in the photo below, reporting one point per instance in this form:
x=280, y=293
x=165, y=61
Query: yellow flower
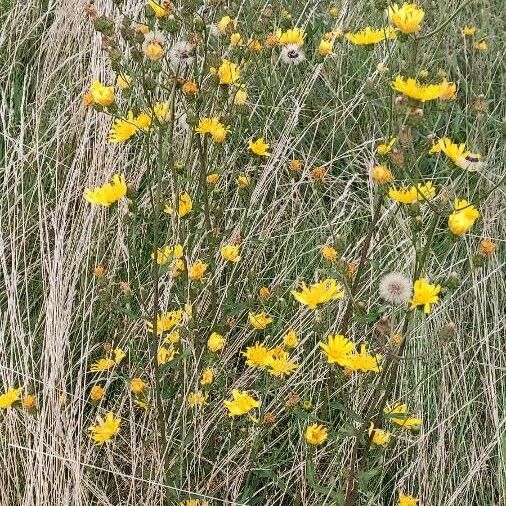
x=458, y=153
x=105, y=429
x=241, y=403
x=404, y=420
x=290, y=339
x=316, y=434
x=123, y=129
x=157, y=8
x=185, y=205
x=143, y=121
x=11, y=396
x=161, y=111
x=325, y=47
x=295, y=165
x=97, y=393
x=257, y=355
x=196, y=399
x=109, y=193
x=29, y=401
x=280, y=365
x=228, y=72
x=173, y=338
x=378, y=437
x=424, y=294
x=102, y=95
x=207, y=376
x=292, y=36
x=408, y=18
x=165, y=355
x=165, y=322
x=381, y=174
x=240, y=97
x=154, y=50
x=212, y=126
x=259, y=147
x=318, y=293
x=264, y=293
x=255, y=45
x=364, y=361
x=259, y=321
x=123, y=81
x=448, y=90
x=213, y=178
x=422, y=92
x=329, y=253
x=369, y=36
x=119, y=355
x=105, y=364
x=468, y=31
x=223, y=23
x=193, y=502
x=242, y=181
x=215, y=342
x=230, y=252
x=413, y=194
x=487, y=247
x=235, y=39
x=385, y=148
x=407, y=500
x=197, y=271
x=463, y=217
x=138, y=386
x=190, y=88
x=338, y=350
x=480, y=45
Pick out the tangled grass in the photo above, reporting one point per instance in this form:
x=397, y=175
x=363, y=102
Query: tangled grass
x=56, y=314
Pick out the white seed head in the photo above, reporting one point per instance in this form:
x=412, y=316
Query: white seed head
x=395, y=288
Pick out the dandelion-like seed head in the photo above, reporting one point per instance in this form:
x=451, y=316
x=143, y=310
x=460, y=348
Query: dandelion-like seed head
x=292, y=54
x=395, y=288
x=181, y=54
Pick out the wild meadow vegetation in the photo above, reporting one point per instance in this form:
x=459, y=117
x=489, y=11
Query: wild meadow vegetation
x=252, y=253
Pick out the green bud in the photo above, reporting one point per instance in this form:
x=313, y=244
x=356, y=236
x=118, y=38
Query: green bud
x=479, y=260
x=104, y=24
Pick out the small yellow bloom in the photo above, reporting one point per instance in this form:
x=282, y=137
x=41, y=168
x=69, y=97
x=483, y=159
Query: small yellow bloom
x=97, y=393
x=378, y=437
x=290, y=339
x=316, y=434
x=207, y=377
x=215, y=342
x=29, y=401
x=407, y=500
x=404, y=420
x=166, y=355
x=257, y=355
x=11, y=396
x=242, y=181
x=173, y=338
x=230, y=252
x=318, y=293
x=468, y=31
x=161, y=111
x=154, y=50
x=381, y=174
x=280, y=364
x=329, y=253
x=241, y=403
x=109, y=193
x=292, y=36
x=197, y=271
x=235, y=39
x=165, y=321
x=212, y=126
x=196, y=399
x=105, y=429
x=259, y=147
x=325, y=47
x=124, y=129
x=334, y=11
x=487, y=247
x=124, y=81
x=369, y=36
x=264, y=293
x=255, y=45
x=338, y=350
x=424, y=294
x=213, y=178
x=259, y=321
x=480, y=45
x=102, y=95
x=158, y=8
x=240, y=97
x=385, y=148
x=463, y=217
x=224, y=23
x=364, y=361
x=138, y=386
x=228, y=72
x=190, y=88
x=185, y=205
x=295, y=165
x=408, y=18
x=423, y=92
x=458, y=153
x=413, y=194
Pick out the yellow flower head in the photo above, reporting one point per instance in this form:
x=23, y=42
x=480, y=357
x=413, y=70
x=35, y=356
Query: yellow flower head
x=207, y=376
x=329, y=253
x=212, y=126
x=235, y=39
x=213, y=178
x=291, y=36
x=154, y=50
x=143, y=121
x=105, y=429
x=316, y=434
x=240, y=97
x=29, y=401
x=215, y=342
x=185, y=205
x=280, y=365
x=424, y=294
x=408, y=18
x=158, y=9
x=325, y=47
x=259, y=147
x=338, y=350
x=381, y=174
x=369, y=36
x=463, y=217
x=242, y=181
x=165, y=355
x=480, y=45
x=364, y=361
x=241, y=403
x=230, y=252
x=228, y=72
x=404, y=420
x=423, y=92
x=224, y=23
x=97, y=392
x=196, y=399
x=257, y=355
x=259, y=321
x=138, y=386
x=413, y=194
x=290, y=339
x=468, y=31
x=8, y=398
x=448, y=90
x=197, y=271
x=102, y=95
x=124, y=81
x=458, y=153
x=385, y=148
x=165, y=322
x=109, y=193
x=407, y=500
x=318, y=293
x=124, y=129
x=378, y=437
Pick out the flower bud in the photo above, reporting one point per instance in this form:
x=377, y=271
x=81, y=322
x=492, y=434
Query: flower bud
x=447, y=332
